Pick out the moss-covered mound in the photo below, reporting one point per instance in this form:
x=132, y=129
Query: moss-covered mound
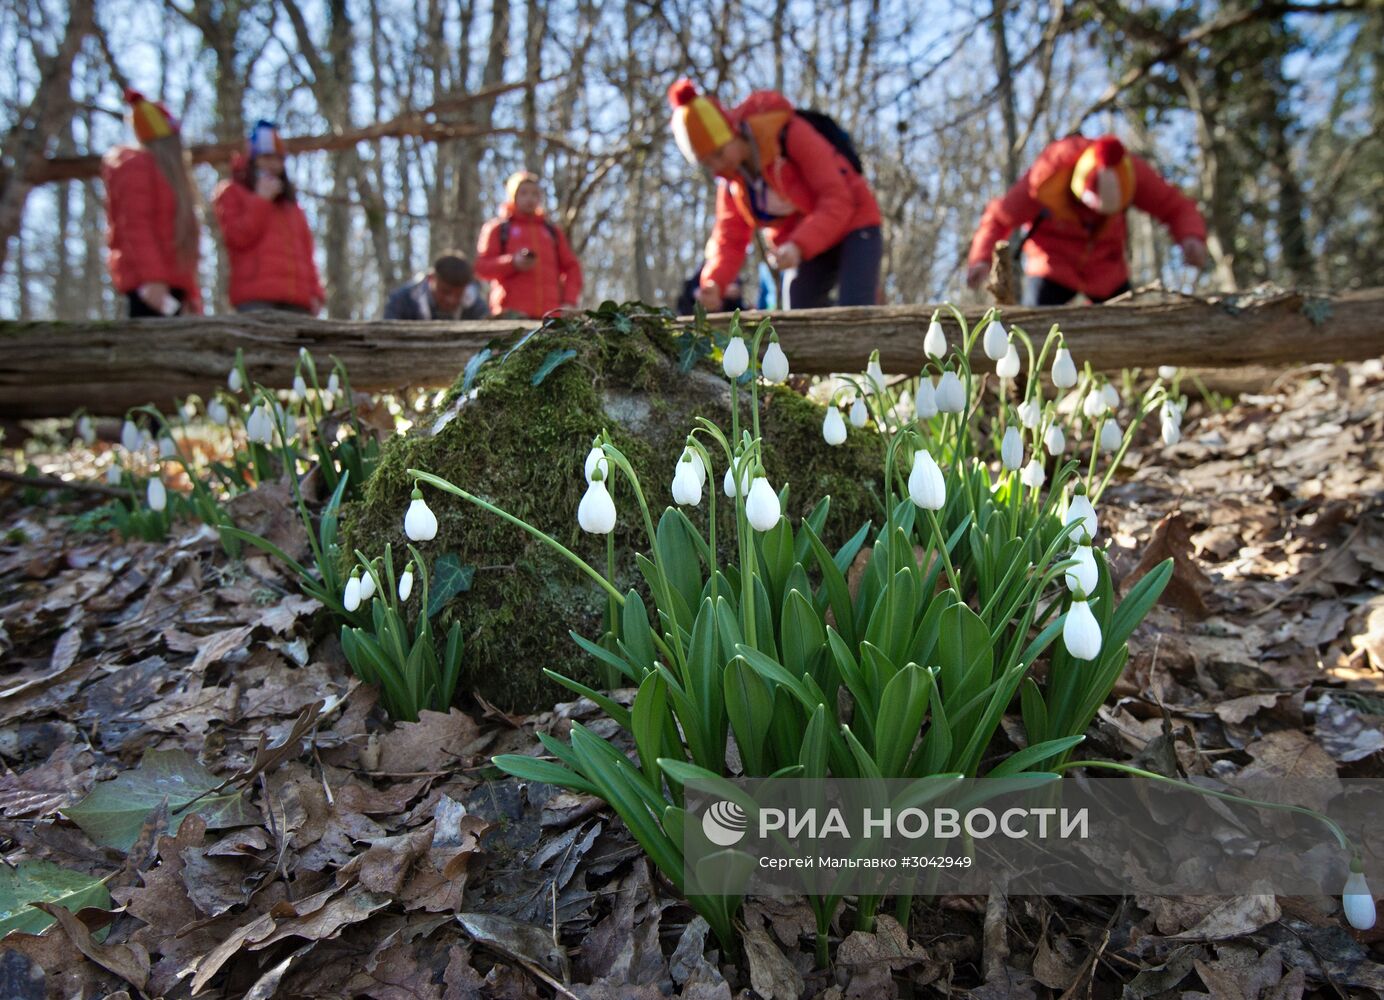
x=522, y=446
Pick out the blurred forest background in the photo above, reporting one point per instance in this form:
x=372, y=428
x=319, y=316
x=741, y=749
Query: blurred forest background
x=1270, y=114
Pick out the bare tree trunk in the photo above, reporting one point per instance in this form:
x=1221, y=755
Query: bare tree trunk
x=1005, y=75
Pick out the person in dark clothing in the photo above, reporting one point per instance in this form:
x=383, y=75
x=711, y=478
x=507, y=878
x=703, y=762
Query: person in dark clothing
x=732, y=300
x=447, y=291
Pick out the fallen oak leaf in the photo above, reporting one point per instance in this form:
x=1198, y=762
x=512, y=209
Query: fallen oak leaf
x=128, y=961
x=522, y=942
x=1172, y=539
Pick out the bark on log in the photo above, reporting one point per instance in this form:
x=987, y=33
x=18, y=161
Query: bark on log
x=52, y=369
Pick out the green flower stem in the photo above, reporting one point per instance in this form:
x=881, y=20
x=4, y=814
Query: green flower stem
x=763, y=328
x=710, y=486
x=946, y=556
x=1139, y=418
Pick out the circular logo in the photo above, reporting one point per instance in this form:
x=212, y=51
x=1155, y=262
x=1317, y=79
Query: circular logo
x=724, y=824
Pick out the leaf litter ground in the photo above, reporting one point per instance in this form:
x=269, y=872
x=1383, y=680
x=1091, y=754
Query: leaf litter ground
x=257, y=830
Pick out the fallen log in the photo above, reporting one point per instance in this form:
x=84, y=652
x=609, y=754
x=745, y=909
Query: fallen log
x=52, y=369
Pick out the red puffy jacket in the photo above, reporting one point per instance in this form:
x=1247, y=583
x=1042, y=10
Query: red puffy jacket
x=1072, y=245
x=553, y=282
x=140, y=213
x=828, y=197
x=269, y=246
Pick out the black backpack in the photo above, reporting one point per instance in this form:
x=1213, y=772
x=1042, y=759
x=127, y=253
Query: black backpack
x=504, y=234
x=831, y=131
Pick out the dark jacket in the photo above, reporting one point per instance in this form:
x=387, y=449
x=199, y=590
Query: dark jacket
x=413, y=301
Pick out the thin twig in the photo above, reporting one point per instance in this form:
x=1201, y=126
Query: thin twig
x=54, y=483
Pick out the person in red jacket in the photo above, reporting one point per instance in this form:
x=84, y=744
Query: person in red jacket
x=526, y=257
x=1073, y=199
x=267, y=236
x=775, y=170
x=151, y=215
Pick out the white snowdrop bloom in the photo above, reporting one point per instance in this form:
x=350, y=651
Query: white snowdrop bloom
x=762, y=505
x=595, y=459
x=234, y=382
x=1030, y=413
x=1110, y=435
x=350, y=600
x=290, y=424
x=114, y=475
x=695, y=457
x=996, y=340
x=596, y=512
x=1094, y=404
x=687, y=488
x=302, y=354
x=1167, y=372
x=775, y=364
x=217, y=413
x=85, y=430
x=367, y=585
x=1054, y=440
x=420, y=523
x=156, y=494
x=406, y=583
x=1033, y=474
x=927, y=487
x=925, y=405
x=951, y=395
x=1081, y=632
x=146, y=441
x=1083, y=576
x=834, y=426
x=874, y=374
x=1170, y=432
x=935, y=342
x=860, y=413
x=334, y=384
x=167, y=448
x=1358, y=902
x=1110, y=395
x=1011, y=448
x=129, y=437
x=1063, y=369
x=260, y=426
x=1008, y=366
x=1170, y=411
x=300, y=388
x=736, y=358
x=1080, y=509
x=728, y=482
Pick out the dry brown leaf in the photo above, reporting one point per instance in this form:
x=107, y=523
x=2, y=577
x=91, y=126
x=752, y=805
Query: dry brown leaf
x=1172, y=539
x=436, y=742
x=772, y=975
x=1290, y=767
x=128, y=961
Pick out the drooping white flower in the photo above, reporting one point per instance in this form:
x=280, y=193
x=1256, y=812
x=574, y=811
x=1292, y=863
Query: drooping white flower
x=1110, y=435
x=687, y=488
x=736, y=358
x=1358, y=902
x=951, y=395
x=1054, y=440
x=85, y=430
x=874, y=374
x=859, y=412
x=1011, y=448
x=1094, y=404
x=129, y=436
x=157, y=494
x=1083, y=576
x=167, y=448
x=1171, y=411
x=234, y=382
x=1063, y=369
x=146, y=441
x=1170, y=431
x=728, y=481
x=1167, y=372
x=420, y=523
x=775, y=364
x=300, y=388
x=1008, y=366
x=927, y=488
x=334, y=384
x=925, y=403
x=595, y=459
x=1033, y=474
x=1030, y=413
x=303, y=354
x=350, y=600
x=935, y=342
x=367, y=585
x=1080, y=509
x=834, y=426
x=260, y=426
x=114, y=474
x=596, y=512
x=1081, y=632
x=762, y=505
x=996, y=340
x=406, y=583
x=217, y=413
x=1111, y=395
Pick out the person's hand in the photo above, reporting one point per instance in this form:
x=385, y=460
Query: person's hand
x=524, y=260
x=268, y=187
x=976, y=274
x=1194, y=251
x=155, y=294
x=709, y=295
x=786, y=256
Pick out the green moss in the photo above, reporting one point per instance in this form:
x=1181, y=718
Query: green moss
x=521, y=447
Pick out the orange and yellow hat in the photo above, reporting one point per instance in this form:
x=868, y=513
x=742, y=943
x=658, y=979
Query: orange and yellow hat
x=1103, y=179
x=700, y=125
x=517, y=178
x=151, y=120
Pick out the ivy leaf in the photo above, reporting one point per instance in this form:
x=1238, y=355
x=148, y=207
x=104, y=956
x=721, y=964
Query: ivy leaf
x=44, y=882
x=555, y=359
x=449, y=578
x=114, y=812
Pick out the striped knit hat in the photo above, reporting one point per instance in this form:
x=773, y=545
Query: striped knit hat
x=1103, y=178
x=700, y=125
x=264, y=140
x=151, y=120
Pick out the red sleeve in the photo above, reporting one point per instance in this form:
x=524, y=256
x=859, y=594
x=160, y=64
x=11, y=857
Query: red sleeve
x=730, y=239
x=1166, y=203
x=314, y=278
x=131, y=196
x=1002, y=216
x=490, y=264
x=833, y=205
x=242, y=215
x=569, y=268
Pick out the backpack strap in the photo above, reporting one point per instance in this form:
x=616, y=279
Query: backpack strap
x=504, y=233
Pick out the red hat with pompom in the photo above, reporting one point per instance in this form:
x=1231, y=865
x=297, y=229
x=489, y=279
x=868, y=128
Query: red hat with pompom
x=700, y=125
x=151, y=120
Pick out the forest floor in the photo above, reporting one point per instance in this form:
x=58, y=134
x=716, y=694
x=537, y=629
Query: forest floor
x=333, y=855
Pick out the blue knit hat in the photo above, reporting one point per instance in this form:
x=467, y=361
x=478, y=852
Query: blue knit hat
x=265, y=140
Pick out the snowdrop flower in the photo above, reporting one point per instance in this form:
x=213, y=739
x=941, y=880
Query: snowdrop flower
x=595, y=458
x=1170, y=432
x=1063, y=369
x=762, y=505
x=926, y=486
x=146, y=440
x=1111, y=395
x=129, y=436
x=951, y=396
x=775, y=364
x=1171, y=411
x=167, y=449
x=1110, y=435
x=1054, y=440
x=996, y=340
x=1167, y=372
x=217, y=413
x=350, y=600
x=406, y=583
x=300, y=388
x=1080, y=509
x=925, y=405
x=260, y=427
x=1033, y=475
x=157, y=494
x=302, y=354
x=833, y=426
x=859, y=412
x=420, y=523
x=1081, y=632
x=290, y=424
x=687, y=488
x=596, y=512
x=1094, y=404
x=334, y=384
x=935, y=343
x=736, y=358
x=1358, y=901
x=85, y=430
x=234, y=381
x=1029, y=413
x=728, y=482
x=697, y=465
x=874, y=374
x=1011, y=448
x=367, y=585
x=114, y=475
x=1083, y=576
x=1008, y=366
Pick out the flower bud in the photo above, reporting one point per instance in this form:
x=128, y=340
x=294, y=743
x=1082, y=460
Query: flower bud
x=874, y=374
x=736, y=358
x=234, y=382
x=996, y=340
x=774, y=367
x=85, y=430
x=925, y=404
x=1081, y=631
x=595, y=458
x=1033, y=474
x=129, y=437
x=1080, y=509
x=1167, y=372
x=420, y=523
x=1170, y=432
x=698, y=466
x=935, y=342
x=951, y=395
x=860, y=413
x=1111, y=437
x=350, y=600
x=217, y=413
x=1110, y=395
x=1030, y=413
x=260, y=426
x=406, y=583
x=157, y=494
x=927, y=488
x=1054, y=440
x=596, y=512
x=687, y=488
x=728, y=481
x=334, y=384
x=167, y=448
x=1083, y=576
x=1008, y=366
x=762, y=505
x=1063, y=369
x=367, y=585
x=300, y=388
x=833, y=426
x=1094, y=404
x=1358, y=901
x=1011, y=448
